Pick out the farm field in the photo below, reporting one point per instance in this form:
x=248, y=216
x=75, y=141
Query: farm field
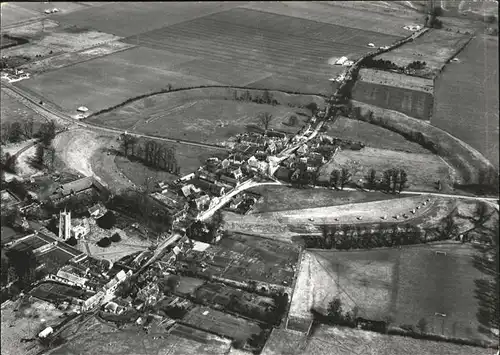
x=209, y=115
x=13, y=13
x=435, y=47
x=120, y=76
x=467, y=96
x=400, y=283
x=373, y=136
x=378, y=24
x=329, y=340
x=251, y=46
x=182, y=340
x=282, y=198
x=423, y=169
x=253, y=258
x=221, y=323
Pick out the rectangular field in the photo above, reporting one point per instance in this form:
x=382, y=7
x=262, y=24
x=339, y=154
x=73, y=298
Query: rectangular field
x=406, y=284
x=423, y=169
x=14, y=111
x=435, y=47
x=221, y=323
x=467, y=97
x=373, y=136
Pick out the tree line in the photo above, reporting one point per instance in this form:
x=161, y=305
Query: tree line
x=150, y=152
x=266, y=98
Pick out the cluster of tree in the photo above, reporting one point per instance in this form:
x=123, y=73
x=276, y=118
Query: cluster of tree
x=18, y=267
x=369, y=62
x=8, y=163
x=393, y=179
x=141, y=206
x=265, y=119
x=293, y=120
x=266, y=98
x=336, y=314
x=151, y=153
x=340, y=178
x=345, y=237
x=104, y=242
x=206, y=231
x=107, y=221
x=416, y=65
x=432, y=20
x=301, y=177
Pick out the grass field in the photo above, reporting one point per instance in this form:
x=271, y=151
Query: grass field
x=282, y=198
x=373, y=136
x=13, y=13
x=221, y=323
x=121, y=76
x=208, y=115
x=253, y=258
x=329, y=340
x=423, y=169
x=14, y=111
x=467, y=97
x=188, y=285
x=435, y=47
x=403, y=284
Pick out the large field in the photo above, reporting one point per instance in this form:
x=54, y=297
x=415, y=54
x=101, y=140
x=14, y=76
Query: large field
x=423, y=169
x=209, y=115
x=14, y=111
x=373, y=136
x=467, y=96
x=282, y=198
x=209, y=43
x=328, y=340
x=401, y=283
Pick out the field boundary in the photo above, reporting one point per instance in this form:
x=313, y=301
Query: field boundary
x=165, y=91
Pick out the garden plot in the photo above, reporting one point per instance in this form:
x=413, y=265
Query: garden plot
x=423, y=170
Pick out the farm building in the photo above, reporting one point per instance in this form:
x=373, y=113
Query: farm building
x=75, y=187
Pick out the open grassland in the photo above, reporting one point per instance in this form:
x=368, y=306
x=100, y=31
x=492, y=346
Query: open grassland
x=423, y=169
x=373, y=136
x=401, y=283
x=119, y=76
x=182, y=340
x=64, y=7
x=252, y=45
x=344, y=14
x=435, y=47
x=328, y=340
x=282, y=198
x=209, y=115
x=14, y=111
x=13, y=13
x=467, y=97
x=465, y=160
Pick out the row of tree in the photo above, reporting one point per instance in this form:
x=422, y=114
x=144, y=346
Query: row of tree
x=151, y=153
x=266, y=98
x=344, y=237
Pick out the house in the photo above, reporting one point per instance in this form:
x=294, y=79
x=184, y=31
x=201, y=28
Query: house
x=97, y=211
x=315, y=160
x=202, y=202
x=80, y=230
x=80, y=281
x=229, y=180
x=187, y=190
x=272, y=147
x=276, y=134
x=237, y=173
x=75, y=187
x=302, y=149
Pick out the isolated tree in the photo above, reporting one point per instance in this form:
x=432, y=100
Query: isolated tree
x=51, y=158
x=104, y=242
x=267, y=97
x=335, y=310
x=313, y=107
x=403, y=179
x=265, y=119
x=47, y=132
x=394, y=179
x=246, y=96
x=28, y=128
x=10, y=163
x=38, y=159
x=422, y=325
x=335, y=178
x=115, y=238
x=372, y=178
x=345, y=177
x=15, y=132
x=293, y=120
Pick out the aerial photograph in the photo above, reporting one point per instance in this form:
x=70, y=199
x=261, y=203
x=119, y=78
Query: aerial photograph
x=250, y=177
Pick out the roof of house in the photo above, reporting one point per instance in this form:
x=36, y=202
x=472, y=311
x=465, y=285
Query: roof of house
x=73, y=187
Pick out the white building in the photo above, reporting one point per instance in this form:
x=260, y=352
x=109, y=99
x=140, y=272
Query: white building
x=341, y=61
